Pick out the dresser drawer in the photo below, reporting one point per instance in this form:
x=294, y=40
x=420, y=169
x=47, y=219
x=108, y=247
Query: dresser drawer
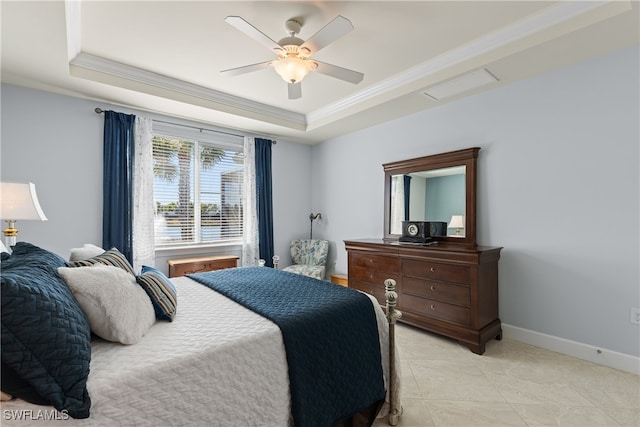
x=440, y=291
x=367, y=273
x=373, y=262
x=182, y=267
x=436, y=309
x=377, y=290
x=436, y=271
x=371, y=276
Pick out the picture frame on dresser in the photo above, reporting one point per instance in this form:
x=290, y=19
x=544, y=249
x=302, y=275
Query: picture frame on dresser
x=449, y=287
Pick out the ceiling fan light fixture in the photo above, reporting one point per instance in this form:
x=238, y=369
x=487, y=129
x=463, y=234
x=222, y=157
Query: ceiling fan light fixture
x=293, y=69
x=293, y=63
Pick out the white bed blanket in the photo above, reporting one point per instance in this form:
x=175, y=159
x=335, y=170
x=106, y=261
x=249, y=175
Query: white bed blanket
x=216, y=364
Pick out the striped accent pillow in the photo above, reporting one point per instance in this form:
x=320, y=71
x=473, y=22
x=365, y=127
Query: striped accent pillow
x=162, y=292
x=112, y=257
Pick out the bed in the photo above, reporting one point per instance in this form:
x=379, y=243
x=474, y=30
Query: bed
x=216, y=362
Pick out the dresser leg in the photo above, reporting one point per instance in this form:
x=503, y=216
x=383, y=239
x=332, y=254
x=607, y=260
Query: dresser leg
x=477, y=349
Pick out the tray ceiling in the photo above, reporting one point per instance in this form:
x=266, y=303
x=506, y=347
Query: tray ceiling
x=166, y=57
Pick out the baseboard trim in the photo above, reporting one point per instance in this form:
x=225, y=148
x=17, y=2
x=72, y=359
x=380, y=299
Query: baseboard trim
x=610, y=358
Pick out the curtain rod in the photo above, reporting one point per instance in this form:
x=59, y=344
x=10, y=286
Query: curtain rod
x=99, y=110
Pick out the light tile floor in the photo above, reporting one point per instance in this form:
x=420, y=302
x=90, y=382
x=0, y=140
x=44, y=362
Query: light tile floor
x=512, y=384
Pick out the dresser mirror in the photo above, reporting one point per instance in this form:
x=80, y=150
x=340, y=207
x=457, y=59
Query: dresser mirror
x=441, y=188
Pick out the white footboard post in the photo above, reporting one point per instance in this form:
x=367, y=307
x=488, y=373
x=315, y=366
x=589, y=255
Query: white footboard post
x=391, y=297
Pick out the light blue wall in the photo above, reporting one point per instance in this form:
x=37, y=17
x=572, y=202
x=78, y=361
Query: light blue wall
x=55, y=142
x=557, y=175
x=445, y=197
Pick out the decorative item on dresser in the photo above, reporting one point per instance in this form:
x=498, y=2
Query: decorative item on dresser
x=184, y=266
x=449, y=286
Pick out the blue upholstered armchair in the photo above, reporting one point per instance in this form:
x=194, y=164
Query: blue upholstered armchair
x=310, y=257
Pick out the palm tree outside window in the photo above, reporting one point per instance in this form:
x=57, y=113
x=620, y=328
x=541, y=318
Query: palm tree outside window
x=198, y=191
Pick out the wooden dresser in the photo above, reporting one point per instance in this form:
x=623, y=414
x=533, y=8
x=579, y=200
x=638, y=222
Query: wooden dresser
x=448, y=289
x=184, y=266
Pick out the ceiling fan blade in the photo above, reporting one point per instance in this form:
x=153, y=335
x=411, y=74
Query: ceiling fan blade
x=295, y=90
x=246, y=69
x=345, y=74
x=251, y=31
x=328, y=34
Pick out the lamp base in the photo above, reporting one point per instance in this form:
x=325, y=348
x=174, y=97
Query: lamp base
x=10, y=234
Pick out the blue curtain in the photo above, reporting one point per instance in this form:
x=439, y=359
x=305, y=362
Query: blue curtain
x=264, y=202
x=407, y=196
x=117, y=210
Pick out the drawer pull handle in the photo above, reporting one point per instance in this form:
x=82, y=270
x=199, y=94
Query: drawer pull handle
x=433, y=269
x=432, y=307
x=433, y=288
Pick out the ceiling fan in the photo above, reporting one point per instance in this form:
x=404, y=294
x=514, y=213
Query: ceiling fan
x=293, y=63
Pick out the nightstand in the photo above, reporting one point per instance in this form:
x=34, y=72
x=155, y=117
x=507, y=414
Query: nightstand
x=340, y=279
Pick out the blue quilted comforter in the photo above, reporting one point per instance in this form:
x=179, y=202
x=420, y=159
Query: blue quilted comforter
x=46, y=347
x=330, y=336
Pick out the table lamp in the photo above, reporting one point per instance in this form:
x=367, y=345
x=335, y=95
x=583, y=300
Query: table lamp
x=18, y=201
x=457, y=222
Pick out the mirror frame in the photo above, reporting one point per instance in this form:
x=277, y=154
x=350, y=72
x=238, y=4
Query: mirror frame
x=467, y=157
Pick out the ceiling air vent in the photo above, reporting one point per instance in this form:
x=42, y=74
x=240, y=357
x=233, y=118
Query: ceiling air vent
x=461, y=84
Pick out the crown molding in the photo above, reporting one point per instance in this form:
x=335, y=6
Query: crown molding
x=534, y=24
x=111, y=72
x=98, y=68
x=72, y=13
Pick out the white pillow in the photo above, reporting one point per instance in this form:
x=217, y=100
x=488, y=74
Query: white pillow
x=86, y=251
x=117, y=307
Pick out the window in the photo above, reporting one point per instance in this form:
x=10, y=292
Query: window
x=197, y=186
x=397, y=204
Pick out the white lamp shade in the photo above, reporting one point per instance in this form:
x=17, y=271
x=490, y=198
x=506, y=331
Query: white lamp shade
x=19, y=201
x=457, y=221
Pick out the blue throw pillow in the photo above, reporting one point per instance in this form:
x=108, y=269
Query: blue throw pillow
x=46, y=338
x=162, y=292
x=112, y=257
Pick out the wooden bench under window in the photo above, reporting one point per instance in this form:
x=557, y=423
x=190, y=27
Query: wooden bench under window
x=184, y=266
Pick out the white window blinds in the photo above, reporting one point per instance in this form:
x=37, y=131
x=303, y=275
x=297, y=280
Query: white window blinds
x=198, y=185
